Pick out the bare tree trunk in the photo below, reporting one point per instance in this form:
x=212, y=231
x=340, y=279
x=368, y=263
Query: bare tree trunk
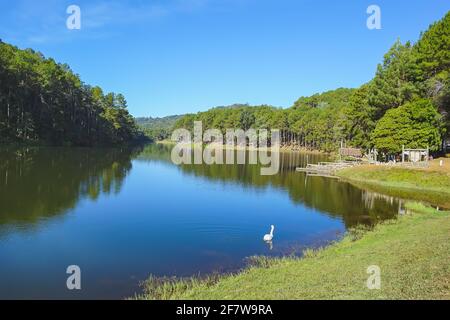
x=23, y=126
x=8, y=109
x=7, y=114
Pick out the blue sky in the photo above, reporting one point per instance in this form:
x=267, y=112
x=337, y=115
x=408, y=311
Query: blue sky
x=178, y=56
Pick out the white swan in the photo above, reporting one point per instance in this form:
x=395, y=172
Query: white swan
x=269, y=237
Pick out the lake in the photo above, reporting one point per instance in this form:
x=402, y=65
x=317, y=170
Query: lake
x=124, y=214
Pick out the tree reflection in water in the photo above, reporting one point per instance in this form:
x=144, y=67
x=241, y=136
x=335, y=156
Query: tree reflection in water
x=331, y=196
x=38, y=183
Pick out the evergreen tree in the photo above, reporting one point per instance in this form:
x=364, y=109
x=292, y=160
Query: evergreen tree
x=394, y=82
x=358, y=121
x=41, y=100
x=414, y=125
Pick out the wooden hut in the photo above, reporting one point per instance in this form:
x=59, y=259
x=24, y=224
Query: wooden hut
x=351, y=153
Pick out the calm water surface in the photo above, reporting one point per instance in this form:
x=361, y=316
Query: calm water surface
x=122, y=215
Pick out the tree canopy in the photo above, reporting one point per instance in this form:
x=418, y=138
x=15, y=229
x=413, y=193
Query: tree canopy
x=157, y=128
x=41, y=100
x=415, y=124
x=410, y=77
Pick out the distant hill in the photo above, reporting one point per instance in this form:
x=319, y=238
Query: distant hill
x=160, y=128
x=164, y=122
x=157, y=128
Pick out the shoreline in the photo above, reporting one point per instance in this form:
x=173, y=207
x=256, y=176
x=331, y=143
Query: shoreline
x=250, y=148
x=388, y=245
x=430, y=185
x=338, y=271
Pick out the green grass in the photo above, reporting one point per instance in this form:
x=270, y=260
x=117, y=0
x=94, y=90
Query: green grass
x=425, y=185
x=412, y=252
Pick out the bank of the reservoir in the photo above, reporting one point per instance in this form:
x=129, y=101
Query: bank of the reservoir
x=283, y=148
x=431, y=184
x=412, y=253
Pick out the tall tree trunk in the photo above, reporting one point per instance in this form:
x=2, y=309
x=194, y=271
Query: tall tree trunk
x=22, y=124
x=7, y=114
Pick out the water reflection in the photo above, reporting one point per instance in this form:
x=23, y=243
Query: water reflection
x=124, y=214
x=39, y=183
x=330, y=196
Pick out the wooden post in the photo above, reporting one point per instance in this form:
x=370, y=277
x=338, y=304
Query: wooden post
x=403, y=153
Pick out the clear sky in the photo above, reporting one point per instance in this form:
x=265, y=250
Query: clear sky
x=178, y=56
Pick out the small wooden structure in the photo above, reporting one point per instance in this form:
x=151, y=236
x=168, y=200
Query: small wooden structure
x=326, y=169
x=350, y=152
x=447, y=145
x=415, y=156
x=372, y=155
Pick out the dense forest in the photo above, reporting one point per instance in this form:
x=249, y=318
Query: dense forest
x=45, y=102
x=406, y=103
x=157, y=128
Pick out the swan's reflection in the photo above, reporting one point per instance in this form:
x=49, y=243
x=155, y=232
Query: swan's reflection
x=270, y=244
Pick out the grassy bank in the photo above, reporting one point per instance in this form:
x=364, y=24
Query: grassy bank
x=430, y=184
x=412, y=252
